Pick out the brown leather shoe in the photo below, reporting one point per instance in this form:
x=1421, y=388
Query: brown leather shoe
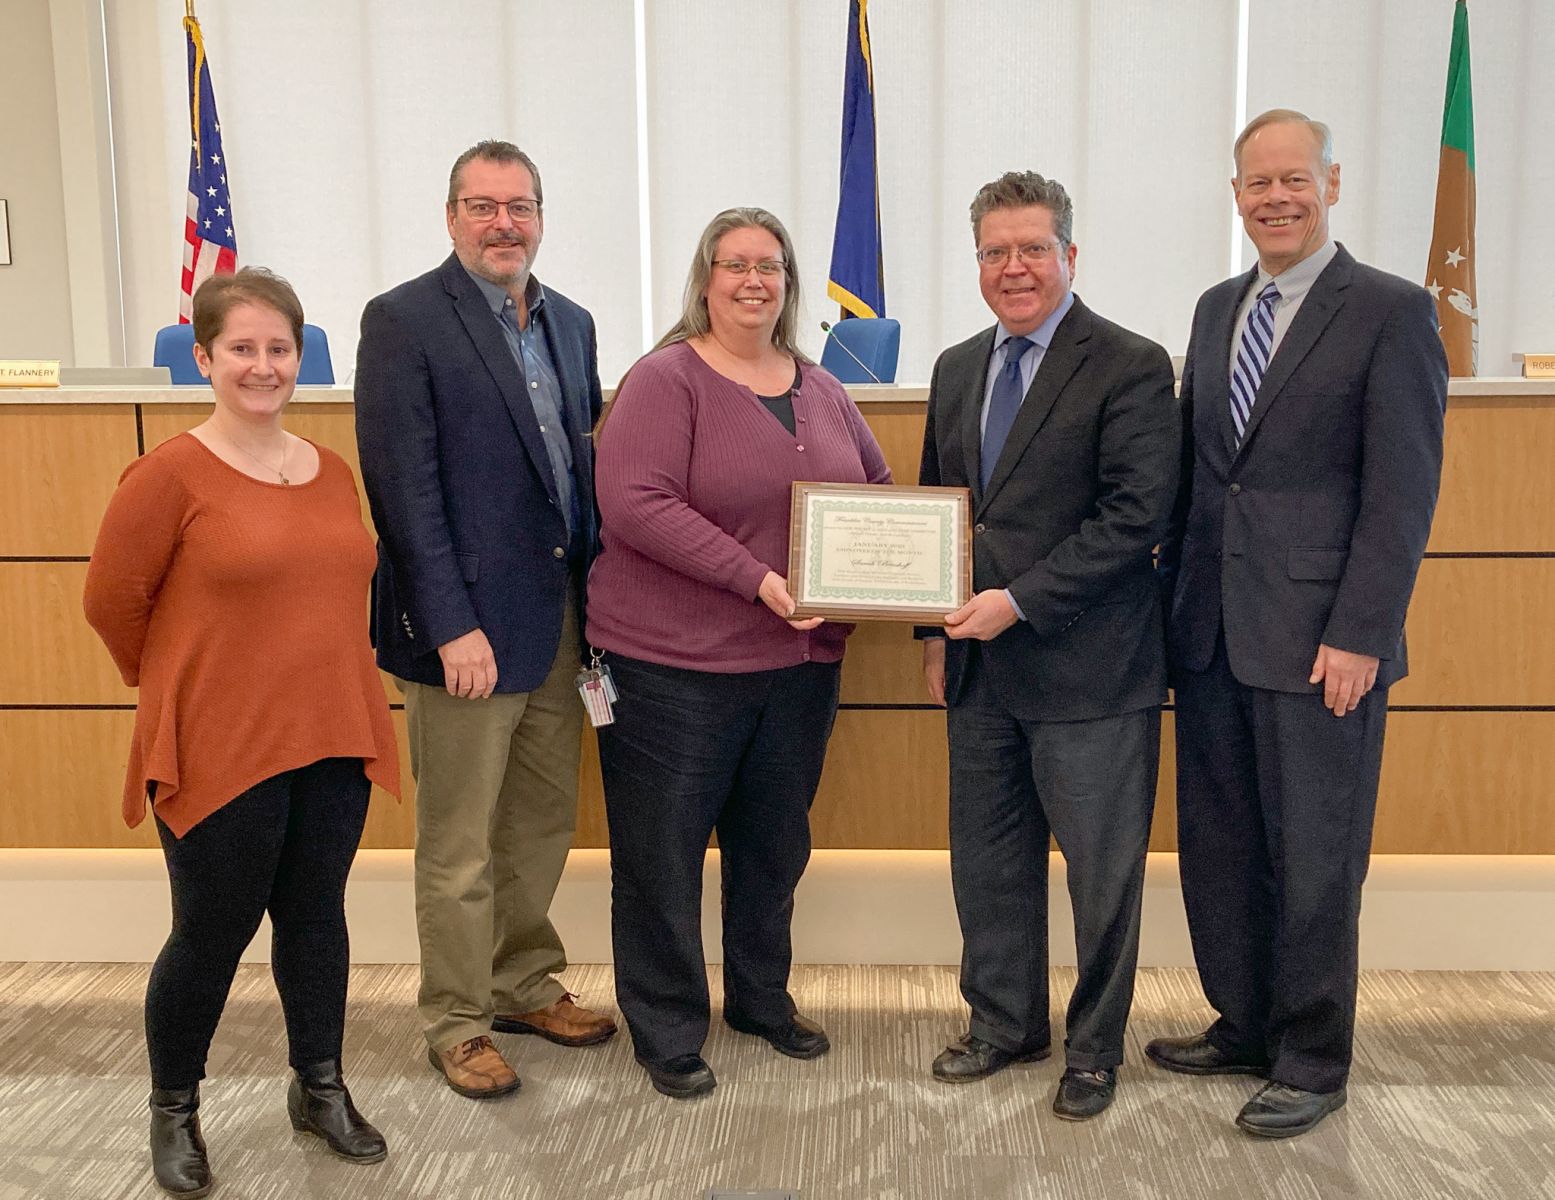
x=562, y=1022
x=475, y=1069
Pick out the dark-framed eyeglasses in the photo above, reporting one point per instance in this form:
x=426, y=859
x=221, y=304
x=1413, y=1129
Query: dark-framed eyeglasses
x=484, y=208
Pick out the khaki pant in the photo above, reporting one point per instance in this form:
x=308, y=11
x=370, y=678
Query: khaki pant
x=496, y=805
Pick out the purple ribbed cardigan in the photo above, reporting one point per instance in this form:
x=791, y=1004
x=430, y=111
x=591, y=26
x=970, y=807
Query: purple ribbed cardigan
x=693, y=476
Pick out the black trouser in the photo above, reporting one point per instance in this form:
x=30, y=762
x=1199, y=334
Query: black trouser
x=1275, y=801
x=1091, y=785
x=284, y=846
x=690, y=752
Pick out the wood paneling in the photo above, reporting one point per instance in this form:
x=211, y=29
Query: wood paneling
x=1453, y=782
x=1480, y=634
x=1498, y=492
x=898, y=427
x=48, y=653
x=886, y=783
x=62, y=780
x=58, y=466
x=883, y=665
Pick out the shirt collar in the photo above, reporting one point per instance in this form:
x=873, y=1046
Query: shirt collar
x=1297, y=281
x=497, y=295
x=1042, y=335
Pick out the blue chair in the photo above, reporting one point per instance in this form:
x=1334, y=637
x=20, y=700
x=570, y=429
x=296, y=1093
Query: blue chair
x=875, y=341
x=175, y=351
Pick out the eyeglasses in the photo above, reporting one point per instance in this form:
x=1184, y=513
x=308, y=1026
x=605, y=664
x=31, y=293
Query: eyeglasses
x=1031, y=253
x=766, y=268
x=482, y=208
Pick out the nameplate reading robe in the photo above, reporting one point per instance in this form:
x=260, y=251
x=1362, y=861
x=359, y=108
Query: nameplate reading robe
x=875, y=552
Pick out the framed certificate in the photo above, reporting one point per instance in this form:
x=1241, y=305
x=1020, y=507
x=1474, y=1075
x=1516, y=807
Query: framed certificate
x=878, y=552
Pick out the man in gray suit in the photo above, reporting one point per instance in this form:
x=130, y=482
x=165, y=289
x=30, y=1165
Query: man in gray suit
x=1313, y=400
x=1065, y=427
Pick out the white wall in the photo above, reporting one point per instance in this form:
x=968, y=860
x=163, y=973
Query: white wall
x=35, y=319
x=340, y=123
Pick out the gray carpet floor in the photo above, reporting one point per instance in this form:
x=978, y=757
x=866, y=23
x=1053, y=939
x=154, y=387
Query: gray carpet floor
x=1453, y=1095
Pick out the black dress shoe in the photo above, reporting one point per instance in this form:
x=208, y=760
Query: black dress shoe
x=798, y=1037
x=177, y=1150
x=1278, y=1110
x=681, y=1078
x=972, y=1058
x=319, y=1103
x=1082, y=1095
x=1197, y=1055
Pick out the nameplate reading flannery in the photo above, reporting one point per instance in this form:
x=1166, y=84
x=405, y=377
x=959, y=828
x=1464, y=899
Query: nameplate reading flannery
x=1539, y=366
x=22, y=373
x=878, y=552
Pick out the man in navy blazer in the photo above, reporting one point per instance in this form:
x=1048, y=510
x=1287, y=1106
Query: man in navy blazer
x=476, y=392
x=1313, y=395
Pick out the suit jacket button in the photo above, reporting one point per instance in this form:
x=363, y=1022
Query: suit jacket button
x=979, y=528
x=558, y=552
x=1235, y=489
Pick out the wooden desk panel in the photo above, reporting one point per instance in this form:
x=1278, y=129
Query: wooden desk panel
x=62, y=779
x=48, y=653
x=1498, y=492
x=1479, y=633
x=58, y=466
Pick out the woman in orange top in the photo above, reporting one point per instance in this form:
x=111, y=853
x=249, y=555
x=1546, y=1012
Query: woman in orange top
x=228, y=581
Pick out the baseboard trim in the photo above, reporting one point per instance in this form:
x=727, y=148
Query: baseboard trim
x=1421, y=912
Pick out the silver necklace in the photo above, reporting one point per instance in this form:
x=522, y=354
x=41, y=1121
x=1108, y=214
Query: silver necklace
x=280, y=471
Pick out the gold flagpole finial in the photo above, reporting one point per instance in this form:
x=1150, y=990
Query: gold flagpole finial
x=189, y=9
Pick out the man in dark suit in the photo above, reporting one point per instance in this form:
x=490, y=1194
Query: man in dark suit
x=1065, y=428
x=476, y=391
x=1313, y=398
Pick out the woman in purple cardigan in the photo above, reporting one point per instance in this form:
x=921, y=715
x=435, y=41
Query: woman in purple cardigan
x=725, y=703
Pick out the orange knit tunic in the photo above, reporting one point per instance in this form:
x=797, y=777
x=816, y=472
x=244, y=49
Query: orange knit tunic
x=238, y=608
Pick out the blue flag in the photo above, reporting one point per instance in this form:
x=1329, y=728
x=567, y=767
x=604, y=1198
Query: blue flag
x=857, y=280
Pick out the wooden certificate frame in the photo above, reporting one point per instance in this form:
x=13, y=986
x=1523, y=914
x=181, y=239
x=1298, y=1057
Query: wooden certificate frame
x=879, y=552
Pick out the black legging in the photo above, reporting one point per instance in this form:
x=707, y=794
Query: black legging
x=285, y=846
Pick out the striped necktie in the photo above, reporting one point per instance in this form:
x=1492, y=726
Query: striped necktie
x=1003, y=405
x=1252, y=358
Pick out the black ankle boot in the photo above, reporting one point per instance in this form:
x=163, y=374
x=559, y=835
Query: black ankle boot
x=177, y=1149
x=320, y=1104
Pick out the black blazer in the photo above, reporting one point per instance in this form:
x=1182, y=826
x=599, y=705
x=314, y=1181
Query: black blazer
x=1076, y=503
x=470, y=531
x=1313, y=531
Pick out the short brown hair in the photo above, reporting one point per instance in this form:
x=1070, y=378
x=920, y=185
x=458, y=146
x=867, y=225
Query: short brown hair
x=1023, y=189
x=494, y=151
x=220, y=294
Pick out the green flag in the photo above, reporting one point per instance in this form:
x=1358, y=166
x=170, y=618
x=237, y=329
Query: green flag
x=1449, y=274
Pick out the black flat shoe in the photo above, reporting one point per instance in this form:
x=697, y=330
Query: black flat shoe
x=1197, y=1055
x=681, y=1078
x=972, y=1058
x=1082, y=1095
x=319, y=1103
x=798, y=1037
x=1278, y=1110
x=177, y=1150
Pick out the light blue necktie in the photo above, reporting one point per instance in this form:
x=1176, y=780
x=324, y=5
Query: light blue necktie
x=1003, y=405
x=1252, y=358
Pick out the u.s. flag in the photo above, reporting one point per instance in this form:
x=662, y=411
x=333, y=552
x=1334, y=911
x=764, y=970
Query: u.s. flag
x=210, y=244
